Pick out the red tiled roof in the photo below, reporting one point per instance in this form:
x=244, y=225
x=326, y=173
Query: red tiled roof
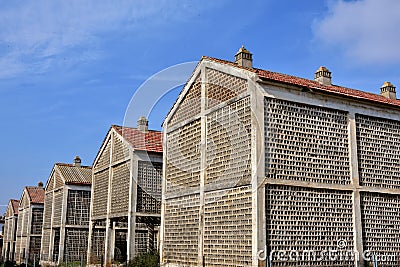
x=313, y=85
x=36, y=194
x=150, y=141
x=14, y=204
x=75, y=175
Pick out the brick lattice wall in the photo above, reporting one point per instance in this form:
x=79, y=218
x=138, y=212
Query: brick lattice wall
x=228, y=227
x=229, y=145
x=378, y=143
x=190, y=105
x=381, y=225
x=221, y=87
x=301, y=219
x=120, y=188
x=306, y=143
x=183, y=158
x=182, y=230
x=100, y=193
x=149, y=187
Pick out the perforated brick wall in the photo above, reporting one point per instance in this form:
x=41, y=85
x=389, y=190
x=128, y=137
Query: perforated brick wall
x=120, y=151
x=190, y=105
x=229, y=145
x=78, y=207
x=36, y=221
x=58, y=204
x=306, y=143
x=221, y=87
x=120, y=188
x=45, y=244
x=48, y=209
x=183, y=158
x=100, y=193
x=104, y=159
x=228, y=227
x=58, y=180
x=304, y=219
x=381, y=224
x=182, y=230
x=76, y=241
x=149, y=187
x=378, y=144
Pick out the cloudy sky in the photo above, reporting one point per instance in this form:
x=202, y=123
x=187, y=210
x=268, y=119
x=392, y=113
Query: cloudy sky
x=68, y=69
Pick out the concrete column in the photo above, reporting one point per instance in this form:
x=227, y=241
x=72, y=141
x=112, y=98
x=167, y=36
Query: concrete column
x=90, y=243
x=203, y=165
x=257, y=172
x=63, y=232
x=163, y=201
x=131, y=253
x=107, y=243
x=357, y=223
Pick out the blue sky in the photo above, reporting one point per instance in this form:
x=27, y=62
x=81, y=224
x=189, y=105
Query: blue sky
x=68, y=69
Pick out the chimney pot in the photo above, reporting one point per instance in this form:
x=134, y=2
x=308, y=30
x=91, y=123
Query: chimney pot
x=388, y=90
x=244, y=58
x=323, y=76
x=143, y=124
x=77, y=161
x=40, y=184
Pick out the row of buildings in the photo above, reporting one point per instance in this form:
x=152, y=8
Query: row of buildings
x=250, y=162
x=105, y=213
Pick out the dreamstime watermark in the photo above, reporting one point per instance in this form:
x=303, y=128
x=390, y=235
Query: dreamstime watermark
x=337, y=254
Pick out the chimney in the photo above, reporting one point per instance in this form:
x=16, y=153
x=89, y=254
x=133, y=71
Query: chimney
x=40, y=184
x=388, y=90
x=143, y=124
x=244, y=58
x=323, y=76
x=77, y=161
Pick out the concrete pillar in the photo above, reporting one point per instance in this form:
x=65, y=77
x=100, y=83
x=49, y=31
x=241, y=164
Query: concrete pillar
x=357, y=223
x=131, y=253
x=61, y=255
x=203, y=165
x=257, y=172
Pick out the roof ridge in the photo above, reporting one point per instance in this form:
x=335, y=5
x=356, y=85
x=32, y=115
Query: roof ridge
x=72, y=165
x=312, y=84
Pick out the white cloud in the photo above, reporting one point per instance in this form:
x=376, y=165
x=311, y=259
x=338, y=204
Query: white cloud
x=37, y=31
x=367, y=30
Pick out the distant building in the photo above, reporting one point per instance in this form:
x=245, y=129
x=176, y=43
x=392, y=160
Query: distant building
x=126, y=194
x=259, y=162
x=66, y=214
x=30, y=223
x=10, y=230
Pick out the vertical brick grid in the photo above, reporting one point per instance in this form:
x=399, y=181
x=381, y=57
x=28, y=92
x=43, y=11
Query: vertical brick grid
x=221, y=87
x=228, y=227
x=378, y=143
x=183, y=158
x=229, y=145
x=306, y=143
x=182, y=230
x=190, y=105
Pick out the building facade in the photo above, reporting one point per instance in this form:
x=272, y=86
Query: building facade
x=10, y=230
x=29, y=225
x=66, y=214
x=126, y=194
x=258, y=162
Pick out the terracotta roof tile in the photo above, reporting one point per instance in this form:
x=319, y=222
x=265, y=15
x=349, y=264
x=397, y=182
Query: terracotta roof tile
x=313, y=85
x=75, y=175
x=150, y=141
x=15, y=204
x=36, y=194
